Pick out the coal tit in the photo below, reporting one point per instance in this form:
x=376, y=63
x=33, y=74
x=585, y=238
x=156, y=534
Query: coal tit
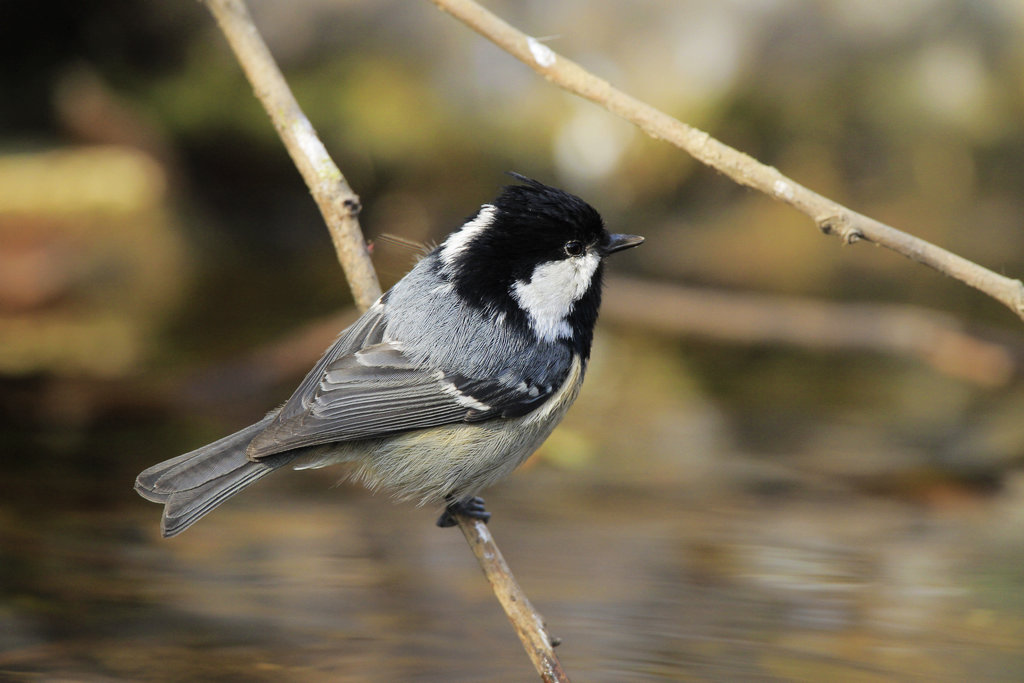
x=447, y=383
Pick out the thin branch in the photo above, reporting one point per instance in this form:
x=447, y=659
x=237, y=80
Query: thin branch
x=831, y=217
x=527, y=622
x=340, y=208
x=337, y=202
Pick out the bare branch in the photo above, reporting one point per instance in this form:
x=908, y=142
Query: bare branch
x=527, y=622
x=340, y=208
x=338, y=203
x=832, y=218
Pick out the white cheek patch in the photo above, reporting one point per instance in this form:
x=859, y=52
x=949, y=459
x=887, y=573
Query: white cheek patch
x=460, y=240
x=554, y=288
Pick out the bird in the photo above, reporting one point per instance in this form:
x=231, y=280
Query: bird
x=447, y=383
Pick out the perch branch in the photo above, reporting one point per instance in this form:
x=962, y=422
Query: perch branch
x=340, y=208
x=527, y=622
x=832, y=218
x=338, y=204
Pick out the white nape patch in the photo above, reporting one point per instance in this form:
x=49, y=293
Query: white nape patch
x=551, y=293
x=542, y=54
x=462, y=399
x=459, y=240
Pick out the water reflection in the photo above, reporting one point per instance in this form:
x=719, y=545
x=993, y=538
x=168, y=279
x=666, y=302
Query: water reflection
x=300, y=581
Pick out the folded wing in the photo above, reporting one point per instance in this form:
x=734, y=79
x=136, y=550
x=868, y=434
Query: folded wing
x=377, y=391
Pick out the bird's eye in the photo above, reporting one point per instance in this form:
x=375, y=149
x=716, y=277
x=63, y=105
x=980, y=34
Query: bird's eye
x=574, y=248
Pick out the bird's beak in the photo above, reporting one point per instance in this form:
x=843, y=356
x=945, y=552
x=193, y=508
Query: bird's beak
x=619, y=242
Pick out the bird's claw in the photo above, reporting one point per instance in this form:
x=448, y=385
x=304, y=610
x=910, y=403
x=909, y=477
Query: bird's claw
x=470, y=507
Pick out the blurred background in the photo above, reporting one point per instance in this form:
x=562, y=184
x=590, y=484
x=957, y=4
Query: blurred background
x=792, y=459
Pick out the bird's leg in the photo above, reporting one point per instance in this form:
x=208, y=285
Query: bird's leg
x=473, y=506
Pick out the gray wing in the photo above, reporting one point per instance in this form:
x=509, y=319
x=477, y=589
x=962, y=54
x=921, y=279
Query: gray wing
x=376, y=391
x=366, y=331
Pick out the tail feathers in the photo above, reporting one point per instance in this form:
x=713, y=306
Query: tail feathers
x=197, y=467
x=193, y=484
x=182, y=510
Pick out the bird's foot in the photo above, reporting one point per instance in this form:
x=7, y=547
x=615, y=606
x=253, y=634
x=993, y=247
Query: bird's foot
x=470, y=507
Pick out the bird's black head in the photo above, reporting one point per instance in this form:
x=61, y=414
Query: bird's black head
x=534, y=257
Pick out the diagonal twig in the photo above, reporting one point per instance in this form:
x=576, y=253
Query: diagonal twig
x=340, y=208
x=831, y=217
x=337, y=202
x=525, y=620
